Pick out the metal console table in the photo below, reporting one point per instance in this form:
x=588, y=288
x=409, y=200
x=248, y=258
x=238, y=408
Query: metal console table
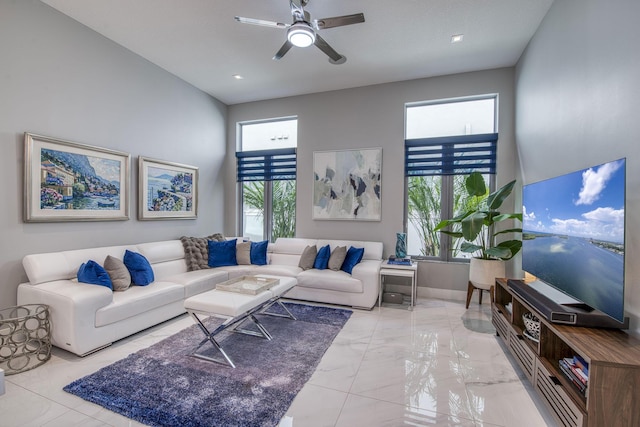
x=398, y=270
x=25, y=337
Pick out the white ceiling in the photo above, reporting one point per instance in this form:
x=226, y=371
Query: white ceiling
x=200, y=42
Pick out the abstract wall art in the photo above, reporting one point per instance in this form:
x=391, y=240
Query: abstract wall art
x=346, y=184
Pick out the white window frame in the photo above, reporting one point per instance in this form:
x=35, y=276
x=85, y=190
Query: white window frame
x=447, y=188
x=268, y=185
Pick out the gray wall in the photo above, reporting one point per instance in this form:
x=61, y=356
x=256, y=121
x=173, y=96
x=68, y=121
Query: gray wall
x=578, y=97
x=60, y=79
x=369, y=117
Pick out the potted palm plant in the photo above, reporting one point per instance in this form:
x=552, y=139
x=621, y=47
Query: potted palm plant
x=477, y=228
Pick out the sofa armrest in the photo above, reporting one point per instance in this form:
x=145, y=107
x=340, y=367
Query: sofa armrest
x=368, y=271
x=72, y=308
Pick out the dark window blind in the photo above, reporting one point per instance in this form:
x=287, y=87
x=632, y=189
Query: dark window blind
x=451, y=155
x=266, y=165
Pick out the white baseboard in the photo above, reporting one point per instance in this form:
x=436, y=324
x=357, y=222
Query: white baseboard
x=437, y=293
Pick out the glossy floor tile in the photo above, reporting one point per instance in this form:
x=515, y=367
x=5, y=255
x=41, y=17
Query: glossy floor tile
x=438, y=365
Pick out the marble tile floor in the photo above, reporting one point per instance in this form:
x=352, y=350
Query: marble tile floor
x=438, y=365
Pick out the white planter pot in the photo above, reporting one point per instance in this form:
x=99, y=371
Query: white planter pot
x=483, y=272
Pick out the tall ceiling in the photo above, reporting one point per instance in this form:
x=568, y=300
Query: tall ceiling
x=200, y=42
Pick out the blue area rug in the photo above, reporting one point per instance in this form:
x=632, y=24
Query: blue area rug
x=163, y=386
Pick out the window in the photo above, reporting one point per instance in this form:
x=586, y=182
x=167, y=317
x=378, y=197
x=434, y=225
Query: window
x=444, y=142
x=266, y=177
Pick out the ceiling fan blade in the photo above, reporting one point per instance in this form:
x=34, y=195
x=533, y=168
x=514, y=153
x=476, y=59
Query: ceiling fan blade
x=261, y=22
x=334, y=57
x=338, y=21
x=284, y=49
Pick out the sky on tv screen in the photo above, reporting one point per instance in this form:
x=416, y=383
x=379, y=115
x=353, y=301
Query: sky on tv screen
x=587, y=203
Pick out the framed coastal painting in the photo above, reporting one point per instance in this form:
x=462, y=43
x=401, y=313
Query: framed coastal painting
x=346, y=184
x=68, y=181
x=167, y=190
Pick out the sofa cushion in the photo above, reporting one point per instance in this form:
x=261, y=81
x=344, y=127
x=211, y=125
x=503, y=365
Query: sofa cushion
x=218, y=237
x=308, y=257
x=337, y=258
x=259, y=252
x=222, y=254
x=92, y=273
x=118, y=272
x=226, y=303
x=372, y=250
x=196, y=282
x=278, y=270
x=243, y=253
x=139, y=268
x=329, y=280
x=196, y=250
x=322, y=259
x=287, y=250
x=239, y=270
x=353, y=257
x=62, y=265
x=162, y=251
x=292, y=245
x=137, y=300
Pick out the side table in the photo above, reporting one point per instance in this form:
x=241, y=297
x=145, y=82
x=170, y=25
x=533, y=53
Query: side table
x=25, y=337
x=398, y=270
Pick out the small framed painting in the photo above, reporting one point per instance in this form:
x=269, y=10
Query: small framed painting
x=167, y=190
x=68, y=181
x=346, y=184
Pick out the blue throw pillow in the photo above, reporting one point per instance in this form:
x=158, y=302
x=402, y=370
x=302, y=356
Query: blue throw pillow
x=93, y=273
x=139, y=268
x=259, y=252
x=354, y=256
x=322, y=259
x=222, y=254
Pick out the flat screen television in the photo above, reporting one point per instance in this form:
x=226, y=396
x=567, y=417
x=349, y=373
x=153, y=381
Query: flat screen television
x=574, y=239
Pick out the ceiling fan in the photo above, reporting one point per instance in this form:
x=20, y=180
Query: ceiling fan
x=303, y=31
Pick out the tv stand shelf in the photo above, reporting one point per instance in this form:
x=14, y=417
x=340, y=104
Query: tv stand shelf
x=612, y=395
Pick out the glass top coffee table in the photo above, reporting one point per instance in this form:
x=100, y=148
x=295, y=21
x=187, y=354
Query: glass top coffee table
x=250, y=285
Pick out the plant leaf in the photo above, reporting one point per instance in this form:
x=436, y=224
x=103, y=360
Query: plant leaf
x=503, y=217
x=498, y=252
x=475, y=184
x=455, y=234
x=505, y=250
x=511, y=230
x=472, y=225
x=444, y=223
x=469, y=247
x=495, y=200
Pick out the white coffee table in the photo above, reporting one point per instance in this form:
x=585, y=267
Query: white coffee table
x=236, y=306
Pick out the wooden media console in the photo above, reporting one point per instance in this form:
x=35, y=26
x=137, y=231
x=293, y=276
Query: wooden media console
x=612, y=394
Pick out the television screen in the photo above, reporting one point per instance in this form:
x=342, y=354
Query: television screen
x=573, y=235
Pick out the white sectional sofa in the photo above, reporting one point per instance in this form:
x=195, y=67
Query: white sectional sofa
x=87, y=317
x=358, y=289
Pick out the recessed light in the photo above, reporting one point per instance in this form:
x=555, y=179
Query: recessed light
x=237, y=77
x=457, y=38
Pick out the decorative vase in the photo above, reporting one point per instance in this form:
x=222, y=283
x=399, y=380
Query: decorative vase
x=401, y=245
x=483, y=272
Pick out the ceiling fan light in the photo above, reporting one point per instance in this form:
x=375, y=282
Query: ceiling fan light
x=301, y=35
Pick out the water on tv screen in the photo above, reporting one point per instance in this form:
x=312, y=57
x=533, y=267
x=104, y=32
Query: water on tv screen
x=573, y=235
